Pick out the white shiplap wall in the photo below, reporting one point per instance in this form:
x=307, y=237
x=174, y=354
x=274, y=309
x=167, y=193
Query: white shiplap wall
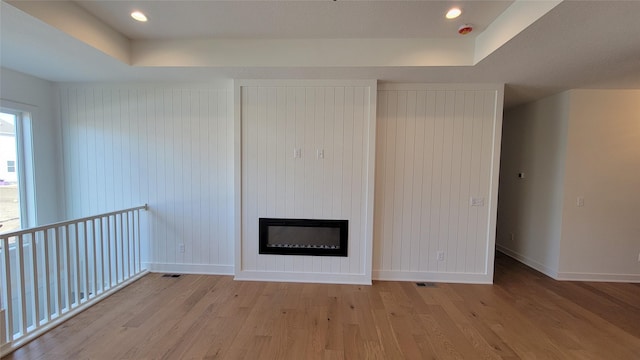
x=437, y=146
x=171, y=147
x=276, y=117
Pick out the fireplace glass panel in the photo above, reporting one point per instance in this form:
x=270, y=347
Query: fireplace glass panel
x=303, y=237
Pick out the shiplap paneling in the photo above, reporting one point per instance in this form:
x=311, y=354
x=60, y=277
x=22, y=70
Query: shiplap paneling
x=437, y=147
x=169, y=147
x=277, y=117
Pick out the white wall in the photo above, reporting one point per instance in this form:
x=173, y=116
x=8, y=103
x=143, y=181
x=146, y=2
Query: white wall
x=278, y=116
x=530, y=208
x=437, y=147
x=37, y=96
x=578, y=144
x=601, y=240
x=170, y=146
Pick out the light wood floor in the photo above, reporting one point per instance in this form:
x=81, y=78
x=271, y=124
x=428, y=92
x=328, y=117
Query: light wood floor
x=525, y=315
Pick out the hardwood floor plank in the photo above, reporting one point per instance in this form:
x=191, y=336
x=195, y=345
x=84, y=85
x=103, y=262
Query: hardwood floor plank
x=524, y=315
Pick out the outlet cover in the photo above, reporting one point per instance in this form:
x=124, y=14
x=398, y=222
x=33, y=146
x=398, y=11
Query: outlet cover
x=440, y=255
x=477, y=201
x=181, y=248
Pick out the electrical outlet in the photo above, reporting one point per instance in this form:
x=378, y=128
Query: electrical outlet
x=297, y=153
x=320, y=153
x=638, y=257
x=512, y=237
x=477, y=201
x=440, y=255
x=181, y=248
x=580, y=201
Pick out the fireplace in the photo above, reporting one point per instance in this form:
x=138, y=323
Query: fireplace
x=303, y=237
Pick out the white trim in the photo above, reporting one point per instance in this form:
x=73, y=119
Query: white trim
x=528, y=261
x=445, y=277
x=492, y=209
x=306, y=83
x=237, y=175
x=13, y=346
x=383, y=86
x=369, y=194
x=577, y=276
x=211, y=84
x=199, y=269
x=321, y=278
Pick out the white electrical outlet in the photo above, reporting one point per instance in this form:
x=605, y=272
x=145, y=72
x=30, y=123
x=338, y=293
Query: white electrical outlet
x=638, y=257
x=181, y=248
x=440, y=255
x=477, y=201
x=580, y=201
x=512, y=237
x=297, y=153
x=320, y=153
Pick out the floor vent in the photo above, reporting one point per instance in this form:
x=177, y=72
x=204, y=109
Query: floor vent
x=171, y=275
x=429, y=284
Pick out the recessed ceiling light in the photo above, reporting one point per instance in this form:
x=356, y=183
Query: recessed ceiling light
x=137, y=15
x=453, y=13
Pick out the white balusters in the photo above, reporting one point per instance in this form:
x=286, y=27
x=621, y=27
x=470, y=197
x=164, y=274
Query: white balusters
x=49, y=272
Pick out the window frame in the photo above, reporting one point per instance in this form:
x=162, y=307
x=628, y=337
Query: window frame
x=24, y=159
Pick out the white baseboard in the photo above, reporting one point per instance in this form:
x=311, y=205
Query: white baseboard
x=570, y=276
x=429, y=276
x=529, y=262
x=200, y=269
x=322, y=278
x=574, y=276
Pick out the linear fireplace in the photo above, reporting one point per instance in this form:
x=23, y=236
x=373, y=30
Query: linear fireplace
x=303, y=237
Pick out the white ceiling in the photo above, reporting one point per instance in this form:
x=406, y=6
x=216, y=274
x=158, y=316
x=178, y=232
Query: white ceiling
x=577, y=44
x=293, y=19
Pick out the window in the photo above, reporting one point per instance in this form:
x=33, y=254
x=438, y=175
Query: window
x=15, y=148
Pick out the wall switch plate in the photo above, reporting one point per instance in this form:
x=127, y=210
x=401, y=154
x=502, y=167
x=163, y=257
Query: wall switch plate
x=440, y=255
x=580, y=201
x=181, y=248
x=320, y=153
x=297, y=153
x=477, y=201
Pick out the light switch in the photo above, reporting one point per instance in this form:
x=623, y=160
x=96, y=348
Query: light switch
x=477, y=201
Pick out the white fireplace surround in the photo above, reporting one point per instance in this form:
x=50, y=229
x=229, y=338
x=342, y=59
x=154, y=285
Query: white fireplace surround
x=305, y=149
